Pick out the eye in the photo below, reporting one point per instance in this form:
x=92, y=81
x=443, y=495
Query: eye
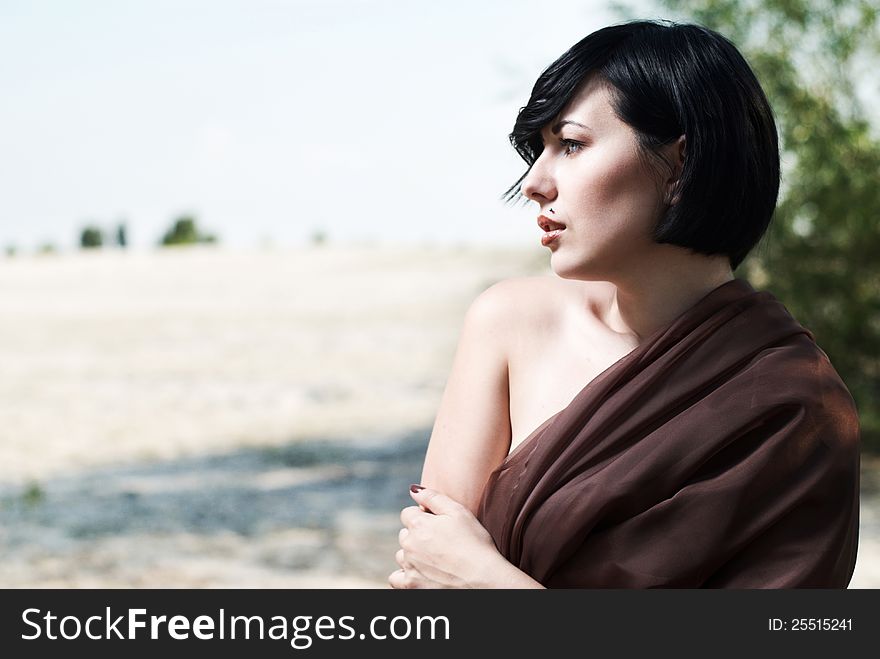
x=570, y=146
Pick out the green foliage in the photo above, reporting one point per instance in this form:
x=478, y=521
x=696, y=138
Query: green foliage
x=318, y=237
x=185, y=232
x=11, y=250
x=47, y=249
x=91, y=237
x=820, y=255
x=182, y=233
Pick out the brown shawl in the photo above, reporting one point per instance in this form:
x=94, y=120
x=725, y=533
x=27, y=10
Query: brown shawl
x=723, y=452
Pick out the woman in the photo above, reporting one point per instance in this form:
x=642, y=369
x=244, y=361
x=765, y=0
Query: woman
x=642, y=418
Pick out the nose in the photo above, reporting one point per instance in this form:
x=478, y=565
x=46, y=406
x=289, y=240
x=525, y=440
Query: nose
x=538, y=185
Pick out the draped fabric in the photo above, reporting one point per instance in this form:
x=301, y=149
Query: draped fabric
x=723, y=452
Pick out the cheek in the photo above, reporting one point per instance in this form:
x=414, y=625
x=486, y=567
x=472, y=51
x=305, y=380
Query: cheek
x=625, y=180
x=621, y=195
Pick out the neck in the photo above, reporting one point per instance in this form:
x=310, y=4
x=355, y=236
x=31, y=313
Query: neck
x=655, y=296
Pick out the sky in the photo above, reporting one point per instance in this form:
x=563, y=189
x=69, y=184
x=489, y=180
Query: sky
x=380, y=121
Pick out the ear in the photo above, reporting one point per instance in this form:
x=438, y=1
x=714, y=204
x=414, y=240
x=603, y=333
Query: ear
x=676, y=153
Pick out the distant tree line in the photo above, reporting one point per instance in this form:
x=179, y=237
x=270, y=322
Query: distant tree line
x=183, y=231
x=92, y=236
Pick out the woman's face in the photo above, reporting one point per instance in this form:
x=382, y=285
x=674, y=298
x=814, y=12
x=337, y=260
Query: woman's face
x=592, y=178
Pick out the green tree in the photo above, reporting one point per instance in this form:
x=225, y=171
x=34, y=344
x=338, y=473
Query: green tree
x=186, y=232
x=91, y=237
x=819, y=256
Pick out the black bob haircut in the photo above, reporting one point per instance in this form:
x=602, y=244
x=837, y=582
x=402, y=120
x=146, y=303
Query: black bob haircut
x=666, y=80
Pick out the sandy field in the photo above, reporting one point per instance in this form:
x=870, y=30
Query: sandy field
x=202, y=417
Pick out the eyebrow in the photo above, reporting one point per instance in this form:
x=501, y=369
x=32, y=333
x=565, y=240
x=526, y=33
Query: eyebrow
x=558, y=126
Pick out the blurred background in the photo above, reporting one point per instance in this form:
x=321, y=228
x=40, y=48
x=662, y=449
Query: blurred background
x=239, y=238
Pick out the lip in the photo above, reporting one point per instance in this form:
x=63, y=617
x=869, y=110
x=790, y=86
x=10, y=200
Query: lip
x=549, y=225
x=550, y=236
x=551, y=228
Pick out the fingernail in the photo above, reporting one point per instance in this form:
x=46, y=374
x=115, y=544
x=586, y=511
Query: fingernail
x=416, y=488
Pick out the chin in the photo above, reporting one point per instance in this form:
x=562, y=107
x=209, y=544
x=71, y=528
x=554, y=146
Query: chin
x=581, y=270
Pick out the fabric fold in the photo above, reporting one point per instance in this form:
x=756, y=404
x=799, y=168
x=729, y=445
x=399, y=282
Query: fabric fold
x=723, y=451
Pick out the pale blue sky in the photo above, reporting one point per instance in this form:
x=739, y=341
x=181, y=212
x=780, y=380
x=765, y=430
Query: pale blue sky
x=372, y=119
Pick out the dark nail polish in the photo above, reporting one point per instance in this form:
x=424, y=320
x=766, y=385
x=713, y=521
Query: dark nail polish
x=416, y=488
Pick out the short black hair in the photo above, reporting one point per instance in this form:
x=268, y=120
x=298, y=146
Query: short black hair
x=666, y=80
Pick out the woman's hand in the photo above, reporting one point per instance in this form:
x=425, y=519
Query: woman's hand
x=442, y=545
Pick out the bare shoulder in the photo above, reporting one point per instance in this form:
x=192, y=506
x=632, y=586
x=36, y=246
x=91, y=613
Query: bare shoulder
x=521, y=297
x=472, y=433
x=525, y=304
x=534, y=286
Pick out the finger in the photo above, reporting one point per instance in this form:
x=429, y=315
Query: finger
x=401, y=535
x=436, y=502
x=400, y=557
x=397, y=579
x=409, y=514
x=406, y=579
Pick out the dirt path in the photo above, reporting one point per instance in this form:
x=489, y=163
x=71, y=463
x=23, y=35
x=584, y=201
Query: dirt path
x=308, y=514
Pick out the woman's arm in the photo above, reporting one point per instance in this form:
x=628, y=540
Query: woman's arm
x=471, y=434
x=444, y=546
